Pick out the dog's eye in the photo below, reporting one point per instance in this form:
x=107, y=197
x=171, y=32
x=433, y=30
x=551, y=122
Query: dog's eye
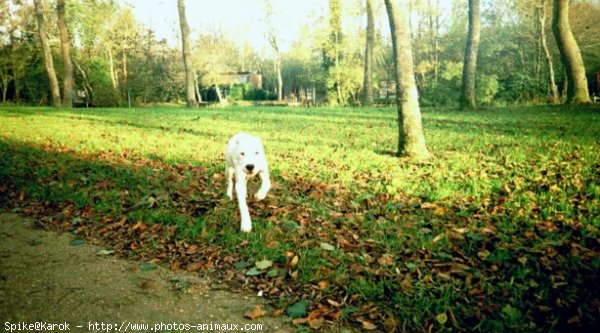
x=242, y=153
x=256, y=153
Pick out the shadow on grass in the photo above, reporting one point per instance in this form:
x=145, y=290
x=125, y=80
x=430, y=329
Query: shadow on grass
x=105, y=185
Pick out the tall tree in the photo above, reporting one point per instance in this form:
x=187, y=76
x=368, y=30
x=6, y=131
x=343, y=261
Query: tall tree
x=467, y=93
x=187, y=61
x=48, y=62
x=577, y=87
x=272, y=37
x=541, y=12
x=333, y=52
x=367, y=98
x=65, y=46
x=411, y=141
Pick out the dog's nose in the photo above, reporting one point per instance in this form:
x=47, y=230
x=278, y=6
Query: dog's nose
x=249, y=167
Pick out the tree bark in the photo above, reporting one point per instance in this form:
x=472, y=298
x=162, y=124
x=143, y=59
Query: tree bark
x=65, y=46
x=542, y=20
x=577, y=88
x=335, y=24
x=113, y=75
x=197, y=90
x=125, y=74
x=89, y=91
x=187, y=61
x=411, y=141
x=279, y=78
x=367, y=98
x=219, y=95
x=467, y=94
x=48, y=62
x=5, y=81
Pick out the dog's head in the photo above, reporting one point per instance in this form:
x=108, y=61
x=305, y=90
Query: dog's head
x=250, y=154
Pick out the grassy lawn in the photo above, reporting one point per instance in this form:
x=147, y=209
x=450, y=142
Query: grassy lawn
x=497, y=232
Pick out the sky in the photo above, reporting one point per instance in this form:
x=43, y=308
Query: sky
x=241, y=20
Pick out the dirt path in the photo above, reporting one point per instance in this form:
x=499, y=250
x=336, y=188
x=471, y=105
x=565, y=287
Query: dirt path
x=45, y=277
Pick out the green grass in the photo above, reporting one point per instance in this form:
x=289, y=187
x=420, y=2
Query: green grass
x=498, y=231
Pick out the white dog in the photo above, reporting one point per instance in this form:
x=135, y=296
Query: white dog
x=245, y=158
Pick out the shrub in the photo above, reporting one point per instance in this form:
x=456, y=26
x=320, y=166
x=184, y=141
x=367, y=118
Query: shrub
x=520, y=88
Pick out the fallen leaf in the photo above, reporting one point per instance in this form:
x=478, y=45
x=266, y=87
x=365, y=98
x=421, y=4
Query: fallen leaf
x=253, y=272
x=429, y=205
x=194, y=266
x=327, y=247
x=294, y=261
x=369, y=326
x=263, y=264
x=385, y=260
x=442, y=318
x=300, y=321
x=438, y=238
x=257, y=312
x=483, y=254
x=316, y=323
x=333, y=303
x=192, y=249
x=390, y=324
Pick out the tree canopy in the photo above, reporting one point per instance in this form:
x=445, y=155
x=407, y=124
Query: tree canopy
x=115, y=56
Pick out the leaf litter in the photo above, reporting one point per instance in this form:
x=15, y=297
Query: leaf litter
x=472, y=247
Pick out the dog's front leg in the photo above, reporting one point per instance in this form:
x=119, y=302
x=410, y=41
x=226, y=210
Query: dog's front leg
x=240, y=190
x=230, y=174
x=265, y=185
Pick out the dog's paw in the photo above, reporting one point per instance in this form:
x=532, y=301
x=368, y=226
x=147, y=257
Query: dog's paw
x=260, y=195
x=230, y=195
x=246, y=228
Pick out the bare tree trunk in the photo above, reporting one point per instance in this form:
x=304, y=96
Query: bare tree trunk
x=198, y=96
x=467, y=94
x=272, y=37
x=125, y=74
x=219, y=95
x=89, y=91
x=187, y=61
x=577, y=89
x=279, y=78
x=65, y=46
x=411, y=141
x=367, y=95
x=554, y=98
x=335, y=24
x=5, y=80
x=113, y=75
x=435, y=28
x=48, y=62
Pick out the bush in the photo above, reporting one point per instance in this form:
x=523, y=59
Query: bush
x=100, y=80
x=443, y=93
x=238, y=91
x=248, y=92
x=520, y=88
x=486, y=88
